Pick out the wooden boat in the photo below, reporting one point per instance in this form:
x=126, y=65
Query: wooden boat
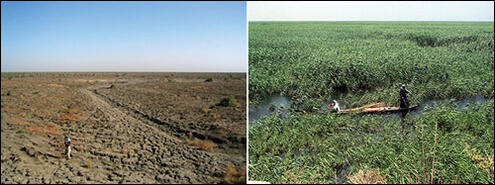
x=376, y=108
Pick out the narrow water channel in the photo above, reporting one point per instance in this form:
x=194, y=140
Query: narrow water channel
x=279, y=105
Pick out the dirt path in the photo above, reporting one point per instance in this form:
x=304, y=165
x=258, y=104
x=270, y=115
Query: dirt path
x=223, y=144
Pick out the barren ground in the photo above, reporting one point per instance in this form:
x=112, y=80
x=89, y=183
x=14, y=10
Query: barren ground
x=125, y=128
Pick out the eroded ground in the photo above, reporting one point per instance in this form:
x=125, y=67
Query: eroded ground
x=125, y=128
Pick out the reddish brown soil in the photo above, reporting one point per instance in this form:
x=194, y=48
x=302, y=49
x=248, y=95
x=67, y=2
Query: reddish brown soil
x=147, y=128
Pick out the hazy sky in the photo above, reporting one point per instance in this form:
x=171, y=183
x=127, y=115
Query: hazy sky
x=124, y=36
x=371, y=11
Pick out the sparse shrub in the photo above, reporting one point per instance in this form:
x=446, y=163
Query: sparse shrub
x=207, y=145
x=205, y=110
x=233, y=176
x=229, y=102
x=209, y=79
x=9, y=92
x=194, y=142
x=112, y=86
x=88, y=164
x=216, y=116
x=171, y=80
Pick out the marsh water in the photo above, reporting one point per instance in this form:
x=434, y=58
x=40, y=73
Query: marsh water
x=279, y=105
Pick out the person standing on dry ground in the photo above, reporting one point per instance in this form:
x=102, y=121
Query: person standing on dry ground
x=67, y=143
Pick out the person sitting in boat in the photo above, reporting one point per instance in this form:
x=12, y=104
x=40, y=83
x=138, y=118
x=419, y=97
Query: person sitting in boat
x=404, y=103
x=336, y=107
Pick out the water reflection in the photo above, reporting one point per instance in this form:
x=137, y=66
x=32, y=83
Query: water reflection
x=274, y=105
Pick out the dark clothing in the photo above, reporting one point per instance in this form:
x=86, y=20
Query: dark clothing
x=404, y=103
x=403, y=92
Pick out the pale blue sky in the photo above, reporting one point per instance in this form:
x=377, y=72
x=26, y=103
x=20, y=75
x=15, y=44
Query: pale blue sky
x=371, y=11
x=124, y=36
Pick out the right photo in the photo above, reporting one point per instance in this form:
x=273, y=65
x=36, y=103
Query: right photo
x=371, y=92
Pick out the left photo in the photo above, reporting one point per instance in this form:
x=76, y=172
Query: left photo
x=123, y=92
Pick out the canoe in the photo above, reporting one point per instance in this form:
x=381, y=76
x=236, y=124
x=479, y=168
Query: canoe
x=376, y=108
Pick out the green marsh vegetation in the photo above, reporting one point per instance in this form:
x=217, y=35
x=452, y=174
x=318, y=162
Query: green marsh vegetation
x=309, y=62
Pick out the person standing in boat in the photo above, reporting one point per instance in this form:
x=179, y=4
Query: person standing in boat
x=404, y=103
x=336, y=107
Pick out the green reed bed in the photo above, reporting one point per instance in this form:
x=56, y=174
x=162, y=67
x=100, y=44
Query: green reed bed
x=310, y=61
x=324, y=148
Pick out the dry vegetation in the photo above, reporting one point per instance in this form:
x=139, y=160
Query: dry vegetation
x=205, y=145
x=370, y=176
x=483, y=161
x=233, y=176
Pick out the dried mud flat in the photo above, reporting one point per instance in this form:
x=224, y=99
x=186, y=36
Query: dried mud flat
x=125, y=128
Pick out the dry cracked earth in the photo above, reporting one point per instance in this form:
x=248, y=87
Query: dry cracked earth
x=125, y=128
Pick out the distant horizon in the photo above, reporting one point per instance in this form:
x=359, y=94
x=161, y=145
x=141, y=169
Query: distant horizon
x=357, y=21
x=111, y=72
x=371, y=11
x=123, y=36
